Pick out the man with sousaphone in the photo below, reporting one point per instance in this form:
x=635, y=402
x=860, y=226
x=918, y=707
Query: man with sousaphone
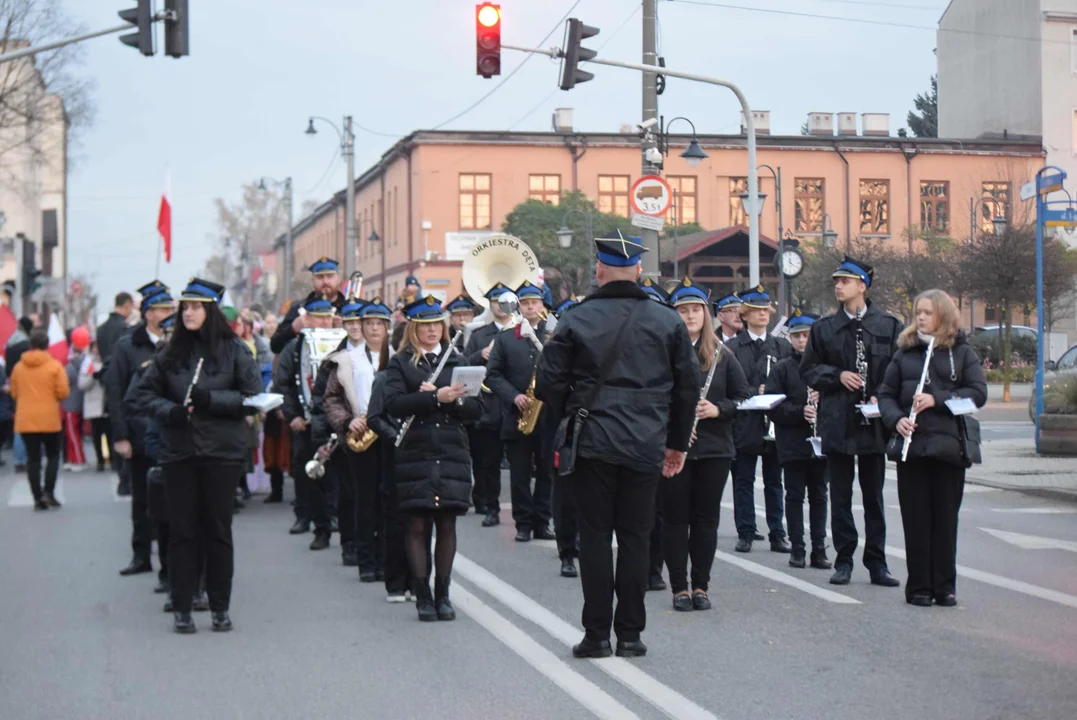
x=325, y=274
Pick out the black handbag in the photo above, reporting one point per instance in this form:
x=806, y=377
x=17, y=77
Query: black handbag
x=968, y=430
x=567, y=438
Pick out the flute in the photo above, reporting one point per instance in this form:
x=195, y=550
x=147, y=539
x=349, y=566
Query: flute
x=706, y=389
x=197, y=372
x=919, y=389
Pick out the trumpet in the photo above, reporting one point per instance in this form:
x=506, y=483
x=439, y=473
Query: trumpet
x=361, y=443
x=315, y=469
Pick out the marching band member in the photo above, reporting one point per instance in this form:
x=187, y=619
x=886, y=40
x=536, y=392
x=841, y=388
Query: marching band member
x=129, y=352
x=793, y=420
x=510, y=370
x=461, y=311
x=326, y=277
x=433, y=466
x=564, y=506
x=931, y=480
x=484, y=436
x=757, y=350
x=638, y=399
x=195, y=388
x=691, y=499
x=655, y=291
x=844, y=361
x=311, y=503
x=727, y=311
x=347, y=400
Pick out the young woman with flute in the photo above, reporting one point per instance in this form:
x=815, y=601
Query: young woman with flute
x=931, y=476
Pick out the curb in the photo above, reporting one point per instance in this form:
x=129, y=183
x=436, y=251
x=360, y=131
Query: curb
x=1062, y=495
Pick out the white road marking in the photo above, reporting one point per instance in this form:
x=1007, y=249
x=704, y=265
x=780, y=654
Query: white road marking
x=1032, y=542
x=1037, y=511
x=785, y=579
x=662, y=697
x=19, y=494
x=591, y=696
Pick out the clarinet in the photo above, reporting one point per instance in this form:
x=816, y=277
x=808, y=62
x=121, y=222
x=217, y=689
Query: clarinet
x=770, y=424
x=862, y=362
x=433, y=378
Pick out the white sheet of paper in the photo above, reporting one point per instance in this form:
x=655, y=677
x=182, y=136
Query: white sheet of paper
x=816, y=446
x=761, y=402
x=471, y=376
x=264, y=402
x=870, y=410
x=961, y=406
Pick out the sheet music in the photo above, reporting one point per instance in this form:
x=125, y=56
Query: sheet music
x=470, y=376
x=761, y=402
x=870, y=410
x=264, y=402
x=961, y=406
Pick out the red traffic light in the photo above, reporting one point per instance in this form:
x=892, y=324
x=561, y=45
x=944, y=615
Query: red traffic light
x=488, y=39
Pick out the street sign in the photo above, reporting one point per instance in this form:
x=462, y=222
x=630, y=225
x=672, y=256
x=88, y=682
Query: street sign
x=650, y=195
x=1049, y=183
x=1066, y=217
x=1028, y=190
x=648, y=222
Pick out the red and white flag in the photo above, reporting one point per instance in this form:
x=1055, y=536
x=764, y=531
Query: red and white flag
x=57, y=339
x=164, y=218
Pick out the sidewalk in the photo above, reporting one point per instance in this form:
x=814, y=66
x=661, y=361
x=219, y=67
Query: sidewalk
x=1014, y=465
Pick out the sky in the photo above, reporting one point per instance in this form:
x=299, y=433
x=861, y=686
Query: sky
x=236, y=108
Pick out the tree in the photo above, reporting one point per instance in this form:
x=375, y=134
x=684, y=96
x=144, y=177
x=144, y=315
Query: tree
x=536, y=223
x=245, y=229
x=1059, y=281
x=813, y=289
x=804, y=130
x=926, y=124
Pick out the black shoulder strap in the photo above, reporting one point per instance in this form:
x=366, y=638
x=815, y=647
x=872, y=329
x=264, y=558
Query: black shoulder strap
x=611, y=358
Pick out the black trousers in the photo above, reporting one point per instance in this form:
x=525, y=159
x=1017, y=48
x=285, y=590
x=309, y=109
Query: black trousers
x=487, y=449
x=564, y=517
x=744, y=494
x=801, y=476
x=397, y=574
x=346, y=482
x=692, y=501
x=201, y=492
x=657, y=557
x=612, y=499
x=141, y=525
x=35, y=443
x=99, y=426
x=930, y=493
x=872, y=473
x=366, y=477
x=311, y=496
x=527, y=453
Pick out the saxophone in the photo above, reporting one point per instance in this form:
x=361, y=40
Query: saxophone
x=529, y=418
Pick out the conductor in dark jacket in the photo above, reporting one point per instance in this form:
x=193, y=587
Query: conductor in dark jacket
x=195, y=388
x=326, y=276
x=846, y=357
x=803, y=470
x=931, y=481
x=636, y=430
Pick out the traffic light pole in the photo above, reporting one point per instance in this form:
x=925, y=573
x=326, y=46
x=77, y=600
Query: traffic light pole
x=27, y=52
x=651, y=260
x=753, y=173
x=20, y=279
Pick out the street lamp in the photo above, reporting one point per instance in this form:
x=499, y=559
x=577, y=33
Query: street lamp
x=1000, y=224
x=693, y=154
x=830, y=238
x=564, y=238
x=289, y=245
x=761, y=196
x=347, y=148
x=784, y=301
x=373, y=236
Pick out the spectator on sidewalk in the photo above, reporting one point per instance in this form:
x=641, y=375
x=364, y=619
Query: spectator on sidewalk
x=74, y=444
x=17, y=344
x=93, y=401
x=115, y=326
x=39, y=385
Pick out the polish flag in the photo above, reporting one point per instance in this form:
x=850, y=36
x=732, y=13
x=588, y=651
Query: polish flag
x=164, y=218
x=57, y=340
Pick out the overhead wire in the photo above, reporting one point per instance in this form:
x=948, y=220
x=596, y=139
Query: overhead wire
x=325, y=174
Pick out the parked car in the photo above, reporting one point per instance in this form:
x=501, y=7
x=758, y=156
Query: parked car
x=1066, y=367
x=994, y=332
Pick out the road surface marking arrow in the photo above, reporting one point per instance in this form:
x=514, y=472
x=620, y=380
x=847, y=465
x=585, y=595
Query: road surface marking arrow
x=1032, y=542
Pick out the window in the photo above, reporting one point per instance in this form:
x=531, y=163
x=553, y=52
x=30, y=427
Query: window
x=474, y=201
x=737, y=186
x=613, y=194
x=544, y=188
x=874, y=207
x=996, y=203
x=935, y=207
x=809, y=194
x=683, y=188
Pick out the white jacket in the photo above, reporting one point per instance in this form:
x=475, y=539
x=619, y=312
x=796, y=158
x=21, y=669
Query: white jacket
x=93, y=398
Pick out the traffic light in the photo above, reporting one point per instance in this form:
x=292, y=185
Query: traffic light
x=142, y=18
x=177, y=34
x=487, y=40
x=575, y=34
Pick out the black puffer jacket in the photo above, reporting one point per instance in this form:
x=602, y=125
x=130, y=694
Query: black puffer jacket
x=219, y=431
x=648, y=401
x=714, y=436
x=130, y=353
x=936, y=433
x=791, y=430
x=387, y=427
x=433, y=464
x=751, y=427
x=491, y=410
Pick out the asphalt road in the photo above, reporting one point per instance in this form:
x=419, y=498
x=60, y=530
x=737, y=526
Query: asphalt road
x=78, y=641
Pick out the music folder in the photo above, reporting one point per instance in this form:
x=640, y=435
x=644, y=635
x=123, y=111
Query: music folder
x=761, y=402
x=470, y=376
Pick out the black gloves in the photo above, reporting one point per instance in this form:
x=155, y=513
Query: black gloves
x=200, y=399
x=177, y=416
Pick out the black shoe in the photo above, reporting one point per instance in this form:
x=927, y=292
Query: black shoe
x=334, y=525
x=349, y=558
x=379, y=575
x=588, y=648
x=200, y=603
x=919, y=599
x=883, y=578
x=842, y=575
x=544, y=533
x=780, y=545
x=368, y=576
x=819, y=560
x=568, y=568
x=51, y=501
x=700, y=600
x=273, y=497
x=221, y=621
x=162, y=586
x=491, y=519
x=168, y=605
x=523, y=535
x=797, y=558
x=320, y=541
x=137, y=566
x=656, y=582
x=183, y=623
x=946, y=600
x=123, y=488
x=635, y=648
x=757, y=537
x=482, y=510
x=40, y=505
x=424, y=602
x=300, y=527
x=441, y=601
x=744, y=545
x=682, y=602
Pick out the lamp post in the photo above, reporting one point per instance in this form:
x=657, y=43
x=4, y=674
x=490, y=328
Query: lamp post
x=830, y=237
x=783, y=293
x=289, y=247
x=347, y=148
x=1000, y=223
x=564, y=237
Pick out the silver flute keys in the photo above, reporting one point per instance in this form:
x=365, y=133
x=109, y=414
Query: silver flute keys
x=919, y=389
x=706, y=389
x=190, y=388
x=862, y=361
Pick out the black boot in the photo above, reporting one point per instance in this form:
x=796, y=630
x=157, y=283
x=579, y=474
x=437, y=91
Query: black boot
x=444, y=607
x=276, y=485
x=221, y=621
x=139, y=564
x=183, y=623
x=819, y=559
x=797, y=559
x=300, y=527
x=424, y=603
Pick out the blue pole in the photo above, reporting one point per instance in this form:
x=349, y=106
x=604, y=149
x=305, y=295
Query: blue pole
x=1040, y=208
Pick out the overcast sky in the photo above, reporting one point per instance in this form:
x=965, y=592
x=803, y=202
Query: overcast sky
x=235, y=110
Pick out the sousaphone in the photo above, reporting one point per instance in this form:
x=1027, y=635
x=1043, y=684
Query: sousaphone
x=493, y=259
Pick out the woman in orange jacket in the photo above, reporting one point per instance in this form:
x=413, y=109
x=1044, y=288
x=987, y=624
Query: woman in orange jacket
x=38, y=386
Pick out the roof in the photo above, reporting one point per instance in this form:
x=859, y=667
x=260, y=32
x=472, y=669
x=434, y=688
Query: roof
x=689, y=245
